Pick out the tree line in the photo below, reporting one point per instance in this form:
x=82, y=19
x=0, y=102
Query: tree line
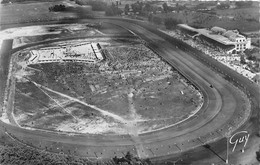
x=170, y=23
x=57, y=8
x=18, y=154
x=147, y=8
x=96, y=5
x=113, y=10
x=110, y=10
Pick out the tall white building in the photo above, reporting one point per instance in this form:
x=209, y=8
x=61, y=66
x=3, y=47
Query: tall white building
x=241, y=42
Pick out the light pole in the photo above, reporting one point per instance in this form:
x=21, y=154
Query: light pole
x=228, y=134
x=227, y=150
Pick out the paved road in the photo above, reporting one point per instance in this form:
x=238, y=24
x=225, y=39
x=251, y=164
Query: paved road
x=224, y=108
x=5, y=57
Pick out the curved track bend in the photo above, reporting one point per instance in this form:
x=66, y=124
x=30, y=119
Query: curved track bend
x=224, y=109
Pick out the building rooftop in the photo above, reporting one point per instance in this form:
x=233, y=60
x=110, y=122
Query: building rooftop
x=219, y=38
x=218, y=44
x=226, y=37
x=83, y=52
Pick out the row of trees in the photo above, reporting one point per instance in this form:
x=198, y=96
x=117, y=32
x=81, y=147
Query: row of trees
x=223, y=6
x=5, y=1
x=155, y=19
x=140, y=8
x=11, y=155
x=96, y=5
x=113, y=10
x=29, y=156
x=57, y=8
x=110, y=10
x=147, y=8
x=130, y=159
x=244, y=4
x=258, y=155
x=252, y=54
x=241, y=4
x=169, y=22
x=11, y=1
x=177, y=8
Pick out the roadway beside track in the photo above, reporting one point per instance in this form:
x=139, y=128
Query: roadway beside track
x=5, y=57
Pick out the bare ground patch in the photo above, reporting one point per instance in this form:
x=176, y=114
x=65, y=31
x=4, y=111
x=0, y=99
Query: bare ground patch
x=132, y=90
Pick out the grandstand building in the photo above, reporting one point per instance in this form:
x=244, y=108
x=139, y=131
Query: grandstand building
x=230, y=41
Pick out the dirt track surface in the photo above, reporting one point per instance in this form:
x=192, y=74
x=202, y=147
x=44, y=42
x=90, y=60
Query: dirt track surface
x=224, y=110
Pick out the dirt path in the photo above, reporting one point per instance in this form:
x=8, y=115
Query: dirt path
x=106, y=113
x=133, y=127
x=131, y=124
x=59, y=104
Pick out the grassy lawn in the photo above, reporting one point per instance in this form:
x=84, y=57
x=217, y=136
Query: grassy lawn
x=252, y=12
x=30, y=12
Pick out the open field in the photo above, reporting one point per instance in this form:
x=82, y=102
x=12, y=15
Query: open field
x=31, y=34
x=243, y=19
x=29, y=12
x=247, y=13
x=133, y=84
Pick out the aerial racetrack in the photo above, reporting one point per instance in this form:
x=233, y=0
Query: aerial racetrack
x=226, y=108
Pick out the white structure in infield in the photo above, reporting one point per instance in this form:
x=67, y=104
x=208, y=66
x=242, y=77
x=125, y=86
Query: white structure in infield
x=86, y=53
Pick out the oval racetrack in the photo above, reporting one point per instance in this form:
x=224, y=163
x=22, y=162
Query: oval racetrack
x=225, y=109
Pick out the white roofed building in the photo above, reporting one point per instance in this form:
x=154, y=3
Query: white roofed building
x=231, y=40
x=86, y=53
